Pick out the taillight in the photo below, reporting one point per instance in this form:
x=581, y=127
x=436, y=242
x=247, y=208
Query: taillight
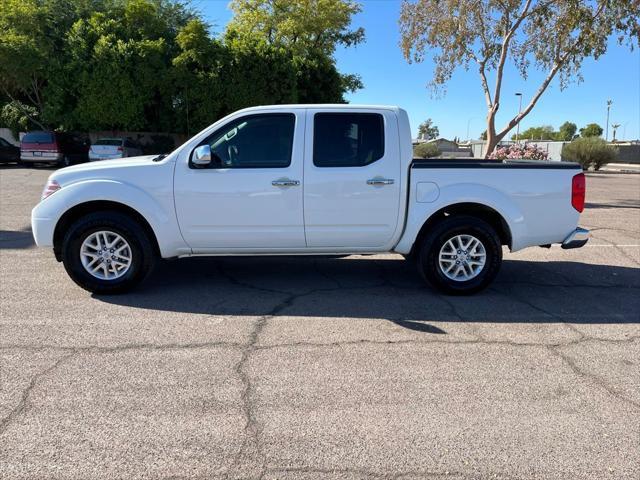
x=120, y=149
x=50, y=188
x=578, y=190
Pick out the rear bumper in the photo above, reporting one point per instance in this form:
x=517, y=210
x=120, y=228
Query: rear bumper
x=45, y=158
x=576, y=239
x=94, y=157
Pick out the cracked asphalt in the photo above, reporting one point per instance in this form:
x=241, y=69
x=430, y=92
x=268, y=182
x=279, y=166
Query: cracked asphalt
x=324, y=368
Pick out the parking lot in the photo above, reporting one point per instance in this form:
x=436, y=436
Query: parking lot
x=332, y=368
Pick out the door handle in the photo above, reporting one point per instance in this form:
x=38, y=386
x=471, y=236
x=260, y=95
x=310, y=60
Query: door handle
x=285, y=182
x=380, y=181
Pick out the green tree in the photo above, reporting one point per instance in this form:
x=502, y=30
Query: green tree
x=554, y=36
x=544, y=132
x=197, y=73
x=304, y=26
x=310, y=30
x=115, y=72
x=567, y=131
x=427, y=130
x=18, y=117
x=257, y=73
x=591, y=130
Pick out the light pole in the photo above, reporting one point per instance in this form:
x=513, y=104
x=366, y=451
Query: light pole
x=518, y=94
x=606, y=136
x=468, y=125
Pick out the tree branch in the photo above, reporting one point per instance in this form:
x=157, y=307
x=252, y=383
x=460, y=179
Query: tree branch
x=504, y=51
x=558, y=64
x=24, y=111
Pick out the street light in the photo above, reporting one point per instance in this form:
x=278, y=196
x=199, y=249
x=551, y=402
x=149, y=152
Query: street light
x=518, y=94
x=606, y=136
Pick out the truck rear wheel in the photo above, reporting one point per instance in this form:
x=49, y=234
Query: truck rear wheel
x=107, y=252
x=461, y=255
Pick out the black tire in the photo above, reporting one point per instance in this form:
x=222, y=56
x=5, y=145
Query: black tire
x=65, y=161
x=429, y=264
x=143, y=255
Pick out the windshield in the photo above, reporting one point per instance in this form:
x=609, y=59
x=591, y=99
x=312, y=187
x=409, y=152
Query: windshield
x=38, y=137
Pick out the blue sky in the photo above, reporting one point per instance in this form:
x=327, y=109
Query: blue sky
x=389, y=79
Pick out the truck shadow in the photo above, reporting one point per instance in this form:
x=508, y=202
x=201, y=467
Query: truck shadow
x=16, y=239
x=387, y=288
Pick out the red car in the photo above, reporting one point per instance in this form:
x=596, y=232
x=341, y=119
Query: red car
x=58, y=148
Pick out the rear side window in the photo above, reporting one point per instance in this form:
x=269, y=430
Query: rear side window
x=347, y=139
x=254, y=141
x=38, y=137
x=114, y=142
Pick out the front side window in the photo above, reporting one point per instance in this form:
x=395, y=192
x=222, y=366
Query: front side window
x=255, y=141
x=347, y=139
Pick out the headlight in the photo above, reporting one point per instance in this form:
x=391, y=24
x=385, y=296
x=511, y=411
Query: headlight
x=50, y=188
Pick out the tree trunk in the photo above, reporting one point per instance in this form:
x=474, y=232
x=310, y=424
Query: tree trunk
x=492, y=137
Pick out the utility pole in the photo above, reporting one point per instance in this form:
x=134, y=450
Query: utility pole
x=606, y=136
x=518, y=94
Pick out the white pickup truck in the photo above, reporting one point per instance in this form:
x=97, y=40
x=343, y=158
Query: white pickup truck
x=303, y=180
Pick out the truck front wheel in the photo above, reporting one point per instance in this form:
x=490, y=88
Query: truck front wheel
x=461, y=255
x=107, y=252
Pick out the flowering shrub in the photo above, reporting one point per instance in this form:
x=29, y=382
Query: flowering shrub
x=527, y=152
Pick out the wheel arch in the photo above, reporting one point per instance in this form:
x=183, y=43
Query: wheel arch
x=81, y=209
x=472, y=209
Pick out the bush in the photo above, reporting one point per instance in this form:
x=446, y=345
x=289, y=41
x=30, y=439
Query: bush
x=518, y=151
x=589, y=152
x=426, y=150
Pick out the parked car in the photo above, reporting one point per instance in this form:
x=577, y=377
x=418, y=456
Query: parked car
x=58, y=148
x=112, y=148
x=298, y=180
x=9, y=153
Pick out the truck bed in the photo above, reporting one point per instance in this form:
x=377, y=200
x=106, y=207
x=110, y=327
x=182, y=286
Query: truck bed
x=484, y=163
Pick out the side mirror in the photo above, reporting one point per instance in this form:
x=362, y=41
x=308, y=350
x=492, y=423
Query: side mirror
x=201, y=156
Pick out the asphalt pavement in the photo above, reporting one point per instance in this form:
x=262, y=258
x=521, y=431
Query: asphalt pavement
x=324, y=368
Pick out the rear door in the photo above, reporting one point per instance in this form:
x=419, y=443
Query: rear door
x=352, y=178
x=251, y=197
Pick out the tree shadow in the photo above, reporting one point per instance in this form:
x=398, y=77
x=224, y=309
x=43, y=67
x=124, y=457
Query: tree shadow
x=390, y=288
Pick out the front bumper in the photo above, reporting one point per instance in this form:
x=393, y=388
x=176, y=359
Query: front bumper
x=576, y=239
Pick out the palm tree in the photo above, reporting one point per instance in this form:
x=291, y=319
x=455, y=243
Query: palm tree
x=615, y=127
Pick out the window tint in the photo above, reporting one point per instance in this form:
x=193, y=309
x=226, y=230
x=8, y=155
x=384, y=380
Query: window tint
x=38, y=137
x=3, y=142
x=347, y=139
x=114, y=142
x=255, y=141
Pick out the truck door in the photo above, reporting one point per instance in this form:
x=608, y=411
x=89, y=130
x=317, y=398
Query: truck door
x=251, y=196
x=351, y=178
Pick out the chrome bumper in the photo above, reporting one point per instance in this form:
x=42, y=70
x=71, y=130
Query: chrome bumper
x=576, y=239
